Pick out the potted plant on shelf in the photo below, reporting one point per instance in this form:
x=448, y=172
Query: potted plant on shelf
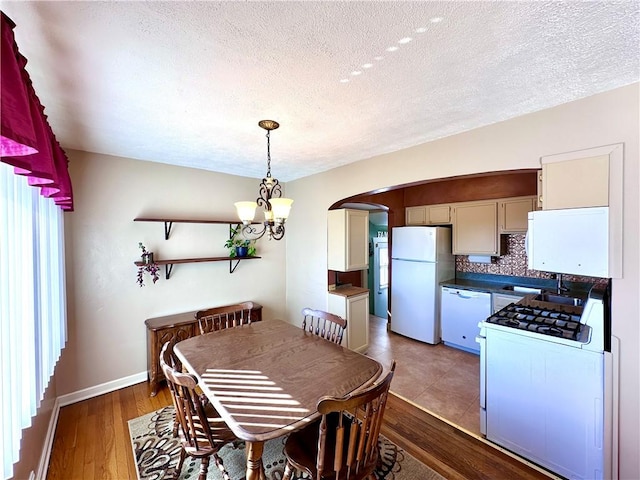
x=147, y=265
x=239, y=246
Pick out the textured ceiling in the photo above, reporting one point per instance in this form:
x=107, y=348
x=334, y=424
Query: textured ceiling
x=186, y=83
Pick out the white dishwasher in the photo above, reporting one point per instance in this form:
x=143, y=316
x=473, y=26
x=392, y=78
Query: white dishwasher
x=461, y=311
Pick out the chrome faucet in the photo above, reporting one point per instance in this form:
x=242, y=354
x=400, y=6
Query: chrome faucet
x=560, y=288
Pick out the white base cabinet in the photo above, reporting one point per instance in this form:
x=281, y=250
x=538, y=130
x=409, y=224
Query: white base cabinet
x=355, y=309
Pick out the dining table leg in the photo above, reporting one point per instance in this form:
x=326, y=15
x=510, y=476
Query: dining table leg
x=255, y=468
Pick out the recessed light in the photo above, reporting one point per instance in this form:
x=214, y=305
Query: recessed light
x=405, y=40
x=392, y=49
x=421, y=30
x=436, y=19
x=378, y=58
x=356, y=72
x=367, y=65
x=344, y=80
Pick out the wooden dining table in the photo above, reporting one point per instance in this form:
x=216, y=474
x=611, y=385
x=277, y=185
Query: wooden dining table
x=265, y=379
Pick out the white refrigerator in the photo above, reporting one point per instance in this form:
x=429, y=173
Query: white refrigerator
x=420, y=259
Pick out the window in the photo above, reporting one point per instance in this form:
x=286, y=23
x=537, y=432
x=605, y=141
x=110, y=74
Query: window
x=32, y=305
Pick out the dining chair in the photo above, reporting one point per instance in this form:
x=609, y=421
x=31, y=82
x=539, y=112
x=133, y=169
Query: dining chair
x=343, y=444
x=201, y=430
x=324, y=324
x=219, y=318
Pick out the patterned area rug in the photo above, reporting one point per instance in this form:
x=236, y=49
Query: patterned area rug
x=157, y=453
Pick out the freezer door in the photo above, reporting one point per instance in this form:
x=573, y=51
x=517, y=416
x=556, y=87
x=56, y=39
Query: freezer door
x=414, y=243
x=414, y=302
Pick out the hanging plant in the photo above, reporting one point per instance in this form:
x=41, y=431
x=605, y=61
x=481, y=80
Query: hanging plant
x=148, y=265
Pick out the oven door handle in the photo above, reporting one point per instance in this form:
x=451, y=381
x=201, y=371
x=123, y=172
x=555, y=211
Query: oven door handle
x=483, y=382
x=483, y=371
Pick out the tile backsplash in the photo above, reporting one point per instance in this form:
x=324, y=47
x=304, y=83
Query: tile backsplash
x=513, y=263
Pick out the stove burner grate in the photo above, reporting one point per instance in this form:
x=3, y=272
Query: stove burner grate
x=547, y=322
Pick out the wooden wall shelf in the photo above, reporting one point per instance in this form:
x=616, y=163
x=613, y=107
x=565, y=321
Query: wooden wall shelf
x=168, y=264
x=168, y=224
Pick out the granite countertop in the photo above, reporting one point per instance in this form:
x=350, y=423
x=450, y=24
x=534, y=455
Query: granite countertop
x=349, y=291
x=483, y=286
x=495, y=284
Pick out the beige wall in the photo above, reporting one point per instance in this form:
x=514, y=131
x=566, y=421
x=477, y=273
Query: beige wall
x=603, y=119
x=106, y=307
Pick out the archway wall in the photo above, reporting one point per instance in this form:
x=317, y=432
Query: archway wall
x=603, y=119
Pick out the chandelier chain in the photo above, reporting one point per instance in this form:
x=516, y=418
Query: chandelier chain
x=268, y=154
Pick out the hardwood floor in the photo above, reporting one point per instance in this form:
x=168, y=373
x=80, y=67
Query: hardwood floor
x=92, y=440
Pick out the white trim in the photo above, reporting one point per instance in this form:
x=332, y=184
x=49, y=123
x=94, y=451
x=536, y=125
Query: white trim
x=64, y=400
x=102, y=389
x=43, y=466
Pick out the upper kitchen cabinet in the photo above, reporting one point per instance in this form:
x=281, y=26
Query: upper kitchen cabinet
x=347, y=240
x=588, y=179
x=415, y=215
x=513, y=214
x=581, y=179
x=475, y=228
x=428, y=215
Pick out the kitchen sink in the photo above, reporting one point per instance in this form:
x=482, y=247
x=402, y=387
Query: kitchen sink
x=560, y=299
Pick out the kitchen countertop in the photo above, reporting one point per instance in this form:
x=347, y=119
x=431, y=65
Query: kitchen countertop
x=496, y=283
x=349, y=291
x=484, y=286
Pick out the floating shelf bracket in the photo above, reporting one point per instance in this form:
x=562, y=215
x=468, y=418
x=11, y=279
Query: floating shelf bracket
x=167, y=232
x=168, y=268
x=232, y=267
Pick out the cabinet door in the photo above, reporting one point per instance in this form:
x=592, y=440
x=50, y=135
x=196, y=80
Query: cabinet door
x=358, y=322
x=499, y=301
x=439, y=214
x=582, y=182
x=358, y=240
x=416, y=215
x=347, y=240
x=355, y=310
x=514, y=214
x=475, y=228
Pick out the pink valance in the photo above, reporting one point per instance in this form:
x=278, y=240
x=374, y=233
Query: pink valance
x=26, y=139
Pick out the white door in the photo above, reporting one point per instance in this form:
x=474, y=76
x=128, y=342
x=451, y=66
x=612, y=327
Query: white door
x=380, y=277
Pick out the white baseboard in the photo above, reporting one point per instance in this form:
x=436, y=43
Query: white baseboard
x=102, y=389
x=43, y=466
x=78, y=396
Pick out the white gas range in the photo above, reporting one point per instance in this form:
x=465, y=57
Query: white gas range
x=544, y=369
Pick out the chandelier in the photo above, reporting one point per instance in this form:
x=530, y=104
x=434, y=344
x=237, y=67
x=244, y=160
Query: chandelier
x=276, y=209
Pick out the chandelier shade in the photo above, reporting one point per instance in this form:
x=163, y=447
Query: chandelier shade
x=276, y=208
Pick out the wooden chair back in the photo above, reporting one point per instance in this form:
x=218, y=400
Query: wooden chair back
x=324, y=324
x=344, y=444
x=219, y=318
x=202, y=431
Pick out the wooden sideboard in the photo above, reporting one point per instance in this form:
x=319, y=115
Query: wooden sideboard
x=179, y=326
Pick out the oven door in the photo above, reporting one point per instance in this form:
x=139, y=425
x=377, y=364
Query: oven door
x=545, y=401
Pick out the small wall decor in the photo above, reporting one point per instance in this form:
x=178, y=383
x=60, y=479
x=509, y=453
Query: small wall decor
x=148, y=265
